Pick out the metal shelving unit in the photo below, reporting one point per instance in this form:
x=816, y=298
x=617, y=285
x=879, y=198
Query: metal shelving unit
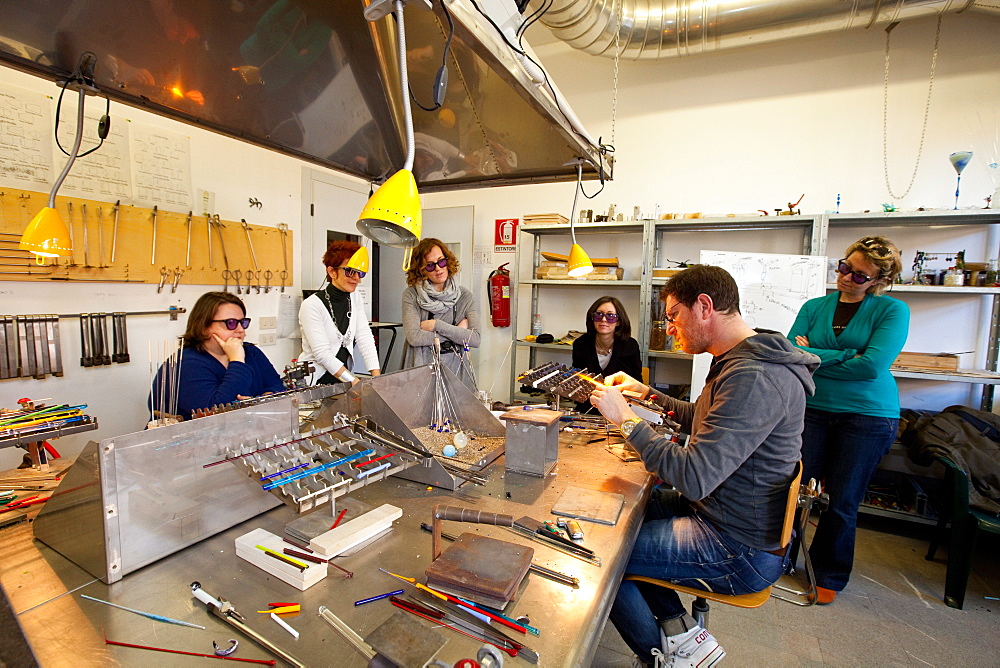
x=814, y=230
x=987, y=377
x=537, y=232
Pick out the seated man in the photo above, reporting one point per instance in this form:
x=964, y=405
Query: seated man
x=720, y=530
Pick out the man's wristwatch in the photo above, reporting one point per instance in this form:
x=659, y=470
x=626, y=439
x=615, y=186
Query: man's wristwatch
x=628, y=426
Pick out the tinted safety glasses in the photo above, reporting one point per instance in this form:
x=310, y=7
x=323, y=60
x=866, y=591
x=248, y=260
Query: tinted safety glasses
x=231, y=323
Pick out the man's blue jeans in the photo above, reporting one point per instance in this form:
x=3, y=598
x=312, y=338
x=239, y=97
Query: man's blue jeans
x=677, y=545
x=843, y=449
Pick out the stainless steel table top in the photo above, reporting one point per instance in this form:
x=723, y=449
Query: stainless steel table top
x=65, y=630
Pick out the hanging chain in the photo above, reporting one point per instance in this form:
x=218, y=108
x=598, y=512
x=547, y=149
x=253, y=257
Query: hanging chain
x=885, y=113
x=614, y=95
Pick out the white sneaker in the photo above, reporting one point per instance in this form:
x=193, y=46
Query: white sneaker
x=696, y=648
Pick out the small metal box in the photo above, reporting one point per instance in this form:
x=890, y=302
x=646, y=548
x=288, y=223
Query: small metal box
x=532, y=440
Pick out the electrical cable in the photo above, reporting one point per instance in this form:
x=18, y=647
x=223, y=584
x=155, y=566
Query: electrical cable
x=444, y=64
x=55, y=130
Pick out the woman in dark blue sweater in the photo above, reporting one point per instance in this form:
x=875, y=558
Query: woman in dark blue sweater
x=217, y=366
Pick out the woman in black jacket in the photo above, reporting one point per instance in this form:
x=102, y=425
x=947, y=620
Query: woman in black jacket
x=608, y=346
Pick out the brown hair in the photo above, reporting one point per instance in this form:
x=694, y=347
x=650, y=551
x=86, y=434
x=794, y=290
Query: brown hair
x=415, y=272
x=703, y=279
x=203, y=313
x=882, y=253
x=339, y=252
x=623, y=332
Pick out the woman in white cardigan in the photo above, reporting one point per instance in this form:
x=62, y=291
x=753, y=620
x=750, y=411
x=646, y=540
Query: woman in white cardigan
x=333, y=319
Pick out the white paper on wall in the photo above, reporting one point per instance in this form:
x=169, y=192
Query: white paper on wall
x=773, y=288
x=104, y=174
x=25, y=139
x=161, y=168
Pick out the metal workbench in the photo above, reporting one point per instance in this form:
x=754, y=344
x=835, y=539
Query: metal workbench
x=65, y=630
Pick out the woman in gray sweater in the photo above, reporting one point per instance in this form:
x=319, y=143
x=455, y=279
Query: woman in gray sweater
x=435, y=306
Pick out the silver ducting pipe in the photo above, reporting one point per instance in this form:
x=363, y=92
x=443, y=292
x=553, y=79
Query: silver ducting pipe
x=652, y=29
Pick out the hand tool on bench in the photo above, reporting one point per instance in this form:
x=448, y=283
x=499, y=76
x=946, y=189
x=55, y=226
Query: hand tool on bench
x=225, y=611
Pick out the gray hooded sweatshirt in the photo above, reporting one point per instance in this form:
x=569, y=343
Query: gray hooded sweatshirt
x=746, y=436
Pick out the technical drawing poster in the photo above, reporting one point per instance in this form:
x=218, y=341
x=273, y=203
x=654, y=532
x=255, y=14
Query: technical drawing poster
x=161, y=168
x=104, y=174
x=25, y=139
x=772, y=287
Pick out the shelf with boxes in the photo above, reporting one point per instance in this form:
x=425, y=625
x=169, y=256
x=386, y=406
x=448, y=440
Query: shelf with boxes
x=955, y=224
x=627, y=280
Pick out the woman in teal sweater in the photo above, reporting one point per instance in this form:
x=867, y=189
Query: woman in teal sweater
x=852, y=419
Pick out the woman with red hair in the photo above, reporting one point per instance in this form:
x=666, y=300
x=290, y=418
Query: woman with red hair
x=333, y=319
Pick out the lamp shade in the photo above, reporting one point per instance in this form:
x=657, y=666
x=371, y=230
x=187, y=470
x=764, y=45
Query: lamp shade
x=579, y=262
x=46, y=235
x=359, y=261
x=392, y=215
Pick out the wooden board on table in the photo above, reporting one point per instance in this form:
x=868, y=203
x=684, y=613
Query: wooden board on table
x=596, y=261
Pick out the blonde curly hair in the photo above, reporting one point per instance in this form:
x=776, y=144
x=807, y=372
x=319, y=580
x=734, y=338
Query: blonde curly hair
x=881, y=252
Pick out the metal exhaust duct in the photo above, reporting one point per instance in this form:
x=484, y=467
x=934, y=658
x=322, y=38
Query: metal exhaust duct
x=653, y=29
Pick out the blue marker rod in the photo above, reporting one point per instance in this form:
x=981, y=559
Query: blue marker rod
x=380, y=596
x=281, y=473
x=308, y=472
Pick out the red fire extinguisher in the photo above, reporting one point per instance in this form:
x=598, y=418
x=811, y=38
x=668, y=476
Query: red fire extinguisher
x=499, y=282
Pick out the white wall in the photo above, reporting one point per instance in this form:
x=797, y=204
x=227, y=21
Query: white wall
x=754, y=128
x=116, y=394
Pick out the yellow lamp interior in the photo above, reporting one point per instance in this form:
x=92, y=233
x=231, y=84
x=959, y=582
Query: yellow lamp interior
x=47, y=235
x=392, y=215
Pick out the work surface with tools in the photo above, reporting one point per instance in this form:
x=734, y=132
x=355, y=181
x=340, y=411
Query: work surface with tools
x=63, y=629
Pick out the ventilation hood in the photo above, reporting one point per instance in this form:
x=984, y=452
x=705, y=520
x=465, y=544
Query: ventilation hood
x=652, y=29
x=314, y=79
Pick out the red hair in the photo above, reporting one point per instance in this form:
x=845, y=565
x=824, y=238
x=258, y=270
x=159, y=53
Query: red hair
x=339, y=252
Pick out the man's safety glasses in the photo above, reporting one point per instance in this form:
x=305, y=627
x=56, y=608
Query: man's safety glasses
x=607, y=317
x=856, y=276
x=431, y=266
x=231, y=323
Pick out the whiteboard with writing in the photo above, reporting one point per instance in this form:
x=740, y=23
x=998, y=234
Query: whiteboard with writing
x=773, y=287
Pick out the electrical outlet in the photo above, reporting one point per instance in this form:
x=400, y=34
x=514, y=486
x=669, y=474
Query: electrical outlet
x=268, y=322
x=266, y=339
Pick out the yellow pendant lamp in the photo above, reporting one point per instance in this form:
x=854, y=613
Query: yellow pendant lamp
x=47, y=234
x=579, y=261
x=392, y=215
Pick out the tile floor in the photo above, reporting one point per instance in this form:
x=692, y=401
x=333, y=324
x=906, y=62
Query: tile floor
x=891, y=614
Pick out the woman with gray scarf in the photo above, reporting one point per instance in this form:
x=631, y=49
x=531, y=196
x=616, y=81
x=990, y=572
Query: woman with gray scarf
x=436, y=307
